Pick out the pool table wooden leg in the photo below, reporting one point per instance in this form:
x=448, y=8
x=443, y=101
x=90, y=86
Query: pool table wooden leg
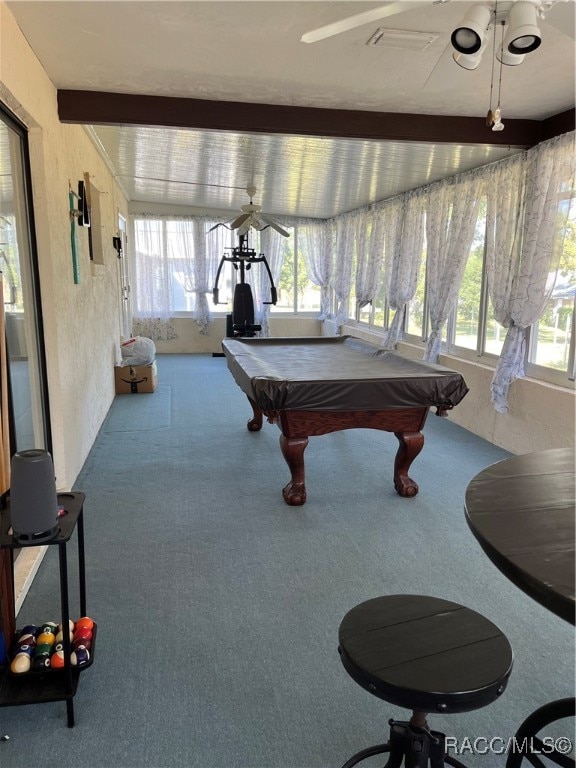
x=411, y=444
x=255, y=423
x=293, y=451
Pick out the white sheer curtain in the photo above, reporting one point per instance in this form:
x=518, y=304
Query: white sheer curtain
x=404, y=226
x=345, y=237
x=208, y=251
x=369, y=255
x=174, y=254
x=524, y=221
x=273, y=246
x=451, y=215
x=153, y=287
x=315, y=245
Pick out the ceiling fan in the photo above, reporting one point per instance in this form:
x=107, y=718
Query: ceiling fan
x=252, y=217
x=467, y=39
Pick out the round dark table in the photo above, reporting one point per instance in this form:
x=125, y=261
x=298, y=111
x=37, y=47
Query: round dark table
x=522, y=512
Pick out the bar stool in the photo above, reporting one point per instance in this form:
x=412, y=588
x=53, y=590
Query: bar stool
x=426, y=655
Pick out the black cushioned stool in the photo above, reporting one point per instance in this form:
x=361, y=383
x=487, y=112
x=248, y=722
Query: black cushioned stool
x=426, y=655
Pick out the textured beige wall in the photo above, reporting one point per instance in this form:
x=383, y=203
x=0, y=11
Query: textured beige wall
x=81, y=322
x=540, y=415
x=190, y=340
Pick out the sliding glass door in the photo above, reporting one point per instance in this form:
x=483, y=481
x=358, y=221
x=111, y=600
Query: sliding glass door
x=28, y=401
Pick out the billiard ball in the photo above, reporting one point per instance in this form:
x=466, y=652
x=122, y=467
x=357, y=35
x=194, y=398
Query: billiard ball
x=83, y=632
x=85, y=622
x=82, y=655
x=81, y=642
x=20, y=663
x=57, y=660
x=26, y=639
x=29, y=629
x=60, y=636
x=49, y=626
x=43, y=648
x=24, y=648
x=70, y=624
x=41, y=661
x=46, y=637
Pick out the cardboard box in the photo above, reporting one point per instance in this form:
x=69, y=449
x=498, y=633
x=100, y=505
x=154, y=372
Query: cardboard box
x=131, y=379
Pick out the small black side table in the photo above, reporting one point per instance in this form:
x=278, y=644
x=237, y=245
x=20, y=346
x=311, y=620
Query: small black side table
x=49, y=685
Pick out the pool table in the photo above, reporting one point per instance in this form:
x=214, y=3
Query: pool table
x=316, y=385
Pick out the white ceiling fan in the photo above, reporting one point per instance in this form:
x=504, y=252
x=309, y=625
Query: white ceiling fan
x=469, y=27
x=252, y=217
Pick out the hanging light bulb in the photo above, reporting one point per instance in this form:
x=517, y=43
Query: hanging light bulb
x=497, y=124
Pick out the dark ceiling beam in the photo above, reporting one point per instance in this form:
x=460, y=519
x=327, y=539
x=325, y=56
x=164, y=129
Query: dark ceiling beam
x=101, y=108
x=558, y=124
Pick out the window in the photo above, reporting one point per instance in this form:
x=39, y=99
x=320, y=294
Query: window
x=416, y=320
x=287, y=288
x=472, y=331
x=468, y=314
x=551, y=339
x=166, y=271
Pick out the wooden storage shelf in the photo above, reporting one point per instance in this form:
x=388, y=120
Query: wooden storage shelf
x=61, y=684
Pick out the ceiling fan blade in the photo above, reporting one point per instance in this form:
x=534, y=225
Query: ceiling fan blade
x=239, y=220
x=271, y=223
x=351, y=22
x=220, y=224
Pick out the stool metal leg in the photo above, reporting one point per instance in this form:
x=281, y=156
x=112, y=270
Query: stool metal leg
x=527, y=735
x=410, y=746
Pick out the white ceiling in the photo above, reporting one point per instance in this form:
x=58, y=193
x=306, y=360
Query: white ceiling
x=251, y=52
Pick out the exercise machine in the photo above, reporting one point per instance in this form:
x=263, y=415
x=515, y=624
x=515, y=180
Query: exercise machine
x=240, y=322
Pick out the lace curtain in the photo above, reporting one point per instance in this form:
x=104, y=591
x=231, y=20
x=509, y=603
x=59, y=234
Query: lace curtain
x=315, y=246
x=153, y=292
x=369, y=255
x=208, y=251
x=344, y=250
x=174, y=254
x=273, y=246
x=451, y=214
x=404, y=225
x=528, y=202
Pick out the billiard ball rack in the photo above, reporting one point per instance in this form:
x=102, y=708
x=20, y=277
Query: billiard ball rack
x=53, y=684
x=49, y=671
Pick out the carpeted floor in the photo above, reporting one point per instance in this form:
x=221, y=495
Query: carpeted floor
x=218, y=605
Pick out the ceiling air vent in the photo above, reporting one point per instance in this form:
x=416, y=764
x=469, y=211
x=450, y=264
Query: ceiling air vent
x=401, y=38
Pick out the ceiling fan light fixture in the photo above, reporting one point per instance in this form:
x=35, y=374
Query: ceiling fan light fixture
x=509, y=59
x=468, y=37
x=523, y=34
x=467, y=61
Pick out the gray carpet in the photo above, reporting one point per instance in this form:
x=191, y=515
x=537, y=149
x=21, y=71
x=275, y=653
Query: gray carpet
x=218, y=605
